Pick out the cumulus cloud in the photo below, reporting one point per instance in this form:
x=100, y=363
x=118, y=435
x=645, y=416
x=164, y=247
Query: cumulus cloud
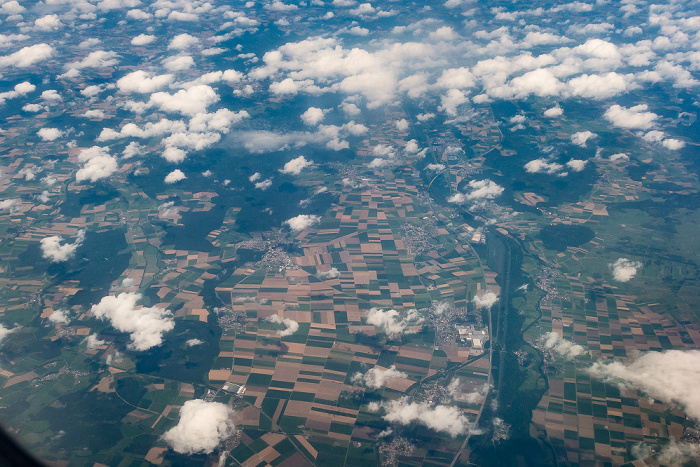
x=636, y=117
x=678, y=453
x=189, y=101
x=97, y=164
x=59, y=317
x=624, y=269
x=27, y=56
x=485, y=300
x=10, y=205
x=480, y=189
x=182, y=42
x=391, y=321
x=295, y=166
x=580, y=138
x=542, y=166
x=143, y=82
x=193, y=342
x=378, y=377
x=554, y=112
x=49, y=134
x=4, y=332
x=201, y=428
x=290, y=326
x=576, y=165
x=302, y=221
x=619, y=157
x=94, y=342
x=443, y=418
x=312, y=116
x=567, y=349
x=52, y=249
x=673, y=144
x=598, y=86
x=96, y=59
x=174, y=176
x=329, y=274
x=48, y=23
x=672, y=376
x=143, y=39
x=51, y=95
x=178, y=63
x=146, y=325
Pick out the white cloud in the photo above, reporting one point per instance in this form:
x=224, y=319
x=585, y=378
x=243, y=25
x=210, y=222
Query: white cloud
x=10, y=205
x=193, y=342
x=150, y=129
x=312, y=116
x=49, y=134
x=93, y=342
x=59, y=317
x=94, y=114
x=143, y=39
x=28, y=56
x=12, y=7
x=279, y=6
x=201, y=428
x=450, y=101
x=264, y=184
x=678, y=453
x=178, y=63
x=444, y=418
x=133, y=149
x=435, y=167
x=97, y=164
x=4, y=332
x=138, y=15
x=619, y=157
x=182, y=42
x=554, y=112
x=673, y=144
x=48, y=23
x=34, y=108
x=624, y=269
x=186, y=101
x=255, y=177
x=302, y=221
x=580, y=138
x=456, y=78
x=174, y=155
x=175, y=176
x=143, y=82
x=485, y=300
x=330, y=274
x=96, y=59
x=52, y=249
x=295, y=166
x=480, y=189
x=672, y=376
x=598, y=86
x=146, y=326
x=378, y=377
x=541, y=165
x=567, y=349
x=576, y=165
x=636, y=117
x=391, y=321
x=290, y=325
x=401, y=125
